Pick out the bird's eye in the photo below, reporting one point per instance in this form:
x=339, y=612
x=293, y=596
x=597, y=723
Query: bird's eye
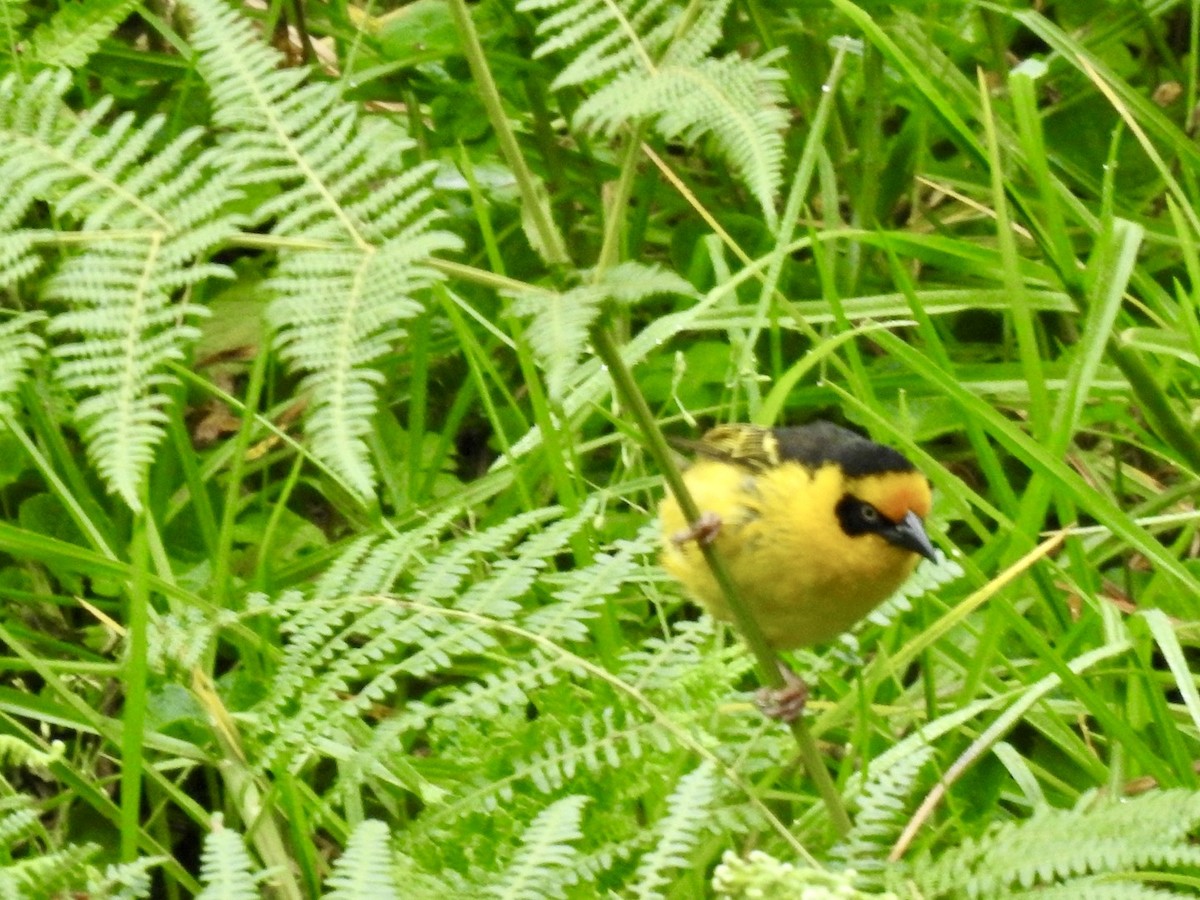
x=859, y=517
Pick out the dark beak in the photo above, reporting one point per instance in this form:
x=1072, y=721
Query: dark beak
x=910, y=534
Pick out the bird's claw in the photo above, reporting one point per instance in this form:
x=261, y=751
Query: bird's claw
x=786, y=704
x=703, y=531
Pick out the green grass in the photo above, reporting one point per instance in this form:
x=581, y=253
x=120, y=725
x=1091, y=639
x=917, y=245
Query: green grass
x=975, y=240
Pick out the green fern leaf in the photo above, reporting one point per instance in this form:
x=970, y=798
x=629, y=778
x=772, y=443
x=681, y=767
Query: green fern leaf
x=345, y=653
x=678, y=832
x=762, y=875
x=151, y=209
x=18, y=821
x=13, y=14
x=643, y=68
x=612, y=37
x=581, y=591
x=372, y=565
x=341, y=300
x=607, y=740
x=126, y=881
x=48, y=875
x=443, y=579
x=226, y=869
x=19, y=346
x=542, y=865
x=364, y=870
x=559, y=323
x=380, y=761
x=17, y=257
x=1100, y=888
x=883, y=811
x=1063, y=847
x=75, y=31
x=29, y=872
x=738, y=102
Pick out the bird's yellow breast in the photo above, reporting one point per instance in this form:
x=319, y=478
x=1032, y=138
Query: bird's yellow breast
x=804, y=579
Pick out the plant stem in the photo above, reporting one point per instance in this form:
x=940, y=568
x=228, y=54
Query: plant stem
x=549, y=239
x=766, y=661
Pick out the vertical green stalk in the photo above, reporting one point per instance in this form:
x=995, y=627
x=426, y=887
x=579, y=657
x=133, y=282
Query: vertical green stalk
x=872, y=160
x=201, y=503
x=479, y=366
x=618, y=203
x=1154, y=404
x=1022, y=314
x=548, y=236
x=768, y=307
x=263, y=567
x=766, y=662
x=134, y=718
x=233, y=486
x=418, y=399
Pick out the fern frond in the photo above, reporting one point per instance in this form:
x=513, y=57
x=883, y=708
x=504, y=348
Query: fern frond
x=542, y=865
x=18, y=821
x=603, y=740
x=16, y=752
x=13, y=14
x=47, y=874
x=373, y=564
x=35, y=871
x=127, y=881
x=19, y=346
x=149, y=213
x=438, y=697
x=738, y=102
x=580, y=591
x=339, y=303
x=365, y=869
x=343, y=675
x=443, y=580
x=557, y=331
x=1100, y=888
x=75, y=31
x=17, y=257
x=495, y=761
x=883, y=811
x=646, y=64
x=378, y=757
x=678, y=832
x=446, y=884
x=1061, y=847
x=612, y=37
x=226, y=870
x=345, y=654
x=589, y=745
x=558, y=325
x=497, y=693
x=661, y=663
x=925, y=580
x=512, y=578
x=179, y=640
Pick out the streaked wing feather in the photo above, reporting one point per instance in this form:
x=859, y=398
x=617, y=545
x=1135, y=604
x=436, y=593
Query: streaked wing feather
x=750, y=446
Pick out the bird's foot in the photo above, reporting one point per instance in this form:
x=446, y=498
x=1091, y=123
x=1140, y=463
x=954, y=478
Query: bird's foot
x=784, y=703
x=703, y=531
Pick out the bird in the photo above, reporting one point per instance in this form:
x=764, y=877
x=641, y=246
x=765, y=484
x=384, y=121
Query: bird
x=816, y=524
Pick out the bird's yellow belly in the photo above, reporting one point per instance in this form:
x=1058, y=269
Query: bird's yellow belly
x=802, y=577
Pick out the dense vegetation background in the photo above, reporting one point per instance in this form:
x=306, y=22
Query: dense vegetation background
x=329, y=553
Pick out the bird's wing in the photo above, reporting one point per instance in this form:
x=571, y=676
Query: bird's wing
x=749, y=446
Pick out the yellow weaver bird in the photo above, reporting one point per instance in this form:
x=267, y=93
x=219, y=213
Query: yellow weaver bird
x=816, y=524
